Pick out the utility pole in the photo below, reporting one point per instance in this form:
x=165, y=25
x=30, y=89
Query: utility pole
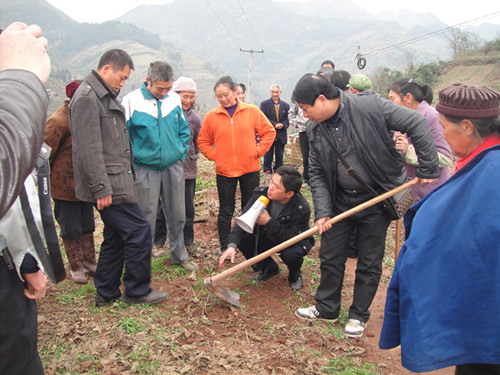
x=249, y=87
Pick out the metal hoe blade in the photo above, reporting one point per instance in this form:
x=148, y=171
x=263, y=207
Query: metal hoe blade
x=227, y=295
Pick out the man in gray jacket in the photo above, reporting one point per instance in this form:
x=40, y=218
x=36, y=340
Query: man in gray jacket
x=104, y=175
x=360, y=127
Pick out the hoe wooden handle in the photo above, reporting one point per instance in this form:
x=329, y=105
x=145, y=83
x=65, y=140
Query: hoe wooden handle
x=247, y=263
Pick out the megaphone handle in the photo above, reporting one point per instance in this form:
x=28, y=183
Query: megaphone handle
x=249, y=262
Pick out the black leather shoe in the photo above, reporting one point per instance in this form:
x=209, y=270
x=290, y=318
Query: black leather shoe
x=154, y=297
x=266, y=274
x=297, y=285
x=100, y=301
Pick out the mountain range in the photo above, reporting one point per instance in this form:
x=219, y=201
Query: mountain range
x=204, y=39
x=295, y=36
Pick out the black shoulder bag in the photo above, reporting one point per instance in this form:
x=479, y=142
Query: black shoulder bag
x=396, y=206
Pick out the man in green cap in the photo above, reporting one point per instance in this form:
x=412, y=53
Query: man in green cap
x=359, y=83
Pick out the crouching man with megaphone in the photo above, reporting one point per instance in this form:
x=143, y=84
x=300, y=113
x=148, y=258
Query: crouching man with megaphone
x=261, y=228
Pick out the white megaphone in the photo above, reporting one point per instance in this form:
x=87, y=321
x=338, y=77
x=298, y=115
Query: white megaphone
x=248, y=219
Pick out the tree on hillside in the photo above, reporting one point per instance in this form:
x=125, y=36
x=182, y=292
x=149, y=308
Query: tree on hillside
x=383, y=78
x=492, y=46
x=427, y=73
x=463, y=42
x=409, y=64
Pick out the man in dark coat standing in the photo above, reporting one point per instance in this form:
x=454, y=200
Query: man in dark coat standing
x=276, y=110
x=104, y=175
x=360, y=128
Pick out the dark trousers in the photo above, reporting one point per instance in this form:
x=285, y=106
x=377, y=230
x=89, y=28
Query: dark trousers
x=74, y=218
x=226, y=188
x=161, y=223
x=304, y=150
x=18, y=327
x=292, y=256
x=277, y=149
x=127, y=242
x=190, y=211
x=477, y=369
x=353, y=244
x=372, y=226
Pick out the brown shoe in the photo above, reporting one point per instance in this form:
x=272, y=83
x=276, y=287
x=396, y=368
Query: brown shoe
x=190, y=266
x=157, y=253
x=74, y=253
x=88, y=250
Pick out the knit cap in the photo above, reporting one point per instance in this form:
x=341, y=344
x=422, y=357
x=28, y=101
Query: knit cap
x=184, y=84
x=469, y=101
x=71, y=88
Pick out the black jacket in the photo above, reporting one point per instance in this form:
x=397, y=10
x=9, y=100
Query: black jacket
x=23, y=110
x=369, y=120
x=292, y=220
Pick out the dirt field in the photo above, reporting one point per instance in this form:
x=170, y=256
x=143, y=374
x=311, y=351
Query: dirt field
x=194, y=332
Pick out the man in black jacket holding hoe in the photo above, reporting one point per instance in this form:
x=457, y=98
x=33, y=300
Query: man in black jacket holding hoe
x=360, y=127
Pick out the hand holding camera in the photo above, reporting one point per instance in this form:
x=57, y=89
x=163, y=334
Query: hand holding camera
x=24, y=47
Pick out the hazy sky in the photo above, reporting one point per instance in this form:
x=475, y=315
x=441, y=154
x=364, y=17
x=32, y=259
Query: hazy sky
x=449, y=11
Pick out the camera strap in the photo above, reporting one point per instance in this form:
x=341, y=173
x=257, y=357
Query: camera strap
x=52, y=262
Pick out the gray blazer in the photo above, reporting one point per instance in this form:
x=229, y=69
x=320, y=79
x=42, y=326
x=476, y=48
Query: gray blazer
x=102, y=152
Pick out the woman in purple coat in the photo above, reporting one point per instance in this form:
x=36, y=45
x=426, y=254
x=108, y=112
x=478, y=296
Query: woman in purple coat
x=407, y=93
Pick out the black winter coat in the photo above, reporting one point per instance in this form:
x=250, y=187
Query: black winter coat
x=23, y=110
x=369, y=120
x=292, y=220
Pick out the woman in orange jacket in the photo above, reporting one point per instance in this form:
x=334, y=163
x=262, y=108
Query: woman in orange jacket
x=227, y=137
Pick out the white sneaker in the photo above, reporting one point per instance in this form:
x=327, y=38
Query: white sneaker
x=311, y=313
x=354, y=328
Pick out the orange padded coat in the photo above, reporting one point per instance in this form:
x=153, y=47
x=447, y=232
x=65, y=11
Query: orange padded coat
x=230, y=142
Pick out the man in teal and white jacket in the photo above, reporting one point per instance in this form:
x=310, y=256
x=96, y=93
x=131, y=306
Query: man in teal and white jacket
x=160, y=137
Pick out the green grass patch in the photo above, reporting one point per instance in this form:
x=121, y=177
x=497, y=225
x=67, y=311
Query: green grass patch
x=205, y=183
x=75, y=292
x=132, y=325
x=348, y=366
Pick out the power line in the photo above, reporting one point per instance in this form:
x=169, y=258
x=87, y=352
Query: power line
x=257, y=39
x=230, y=33
x=428, y=35
x=249, y=25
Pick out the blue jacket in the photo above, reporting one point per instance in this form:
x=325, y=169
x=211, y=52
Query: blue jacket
x=267, y=107
x=158, y=129
x=443, y=302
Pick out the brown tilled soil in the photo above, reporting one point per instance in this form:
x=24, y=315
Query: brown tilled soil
x=194, y=332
